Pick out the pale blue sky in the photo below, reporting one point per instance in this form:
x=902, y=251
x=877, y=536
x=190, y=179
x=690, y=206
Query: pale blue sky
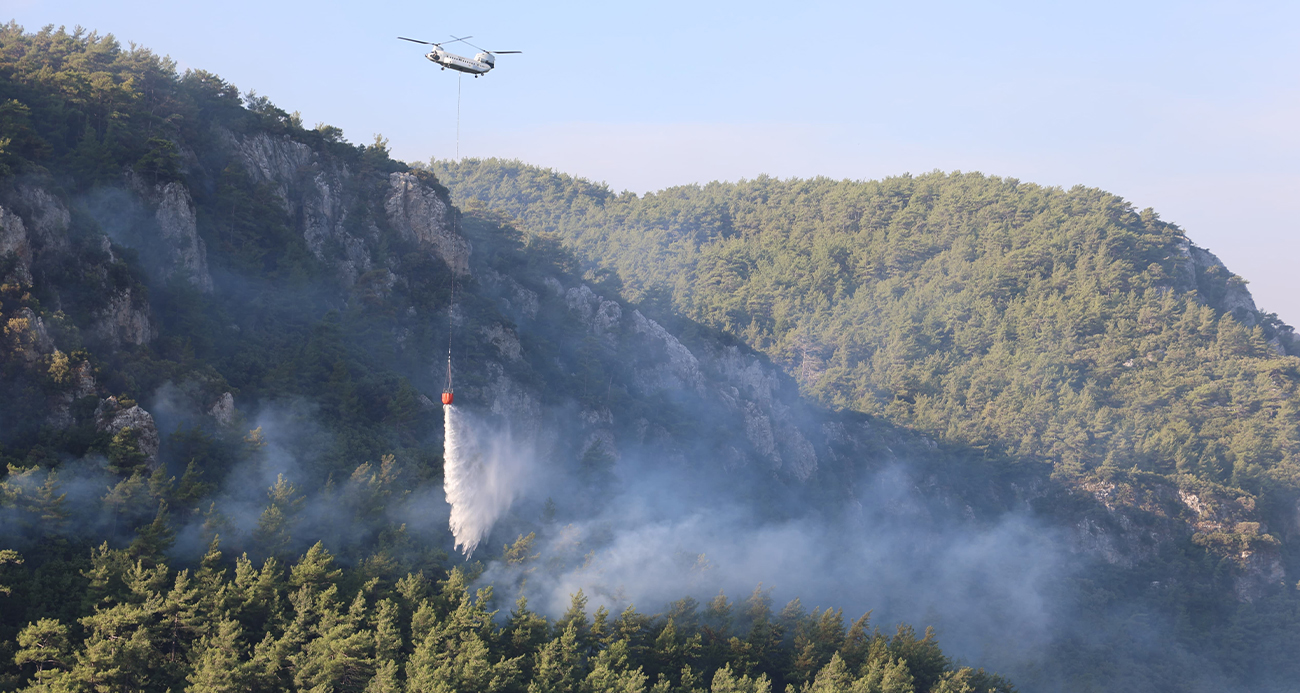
x=1192, y=108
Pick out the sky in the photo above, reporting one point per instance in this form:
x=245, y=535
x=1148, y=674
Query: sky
x=1191, y=108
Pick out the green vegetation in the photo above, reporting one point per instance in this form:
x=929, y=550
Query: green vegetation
x=93, y=602
x=1040, y=324
x=1044, y=329
x=309, y=625
x=80, y=111
x=1061, y=347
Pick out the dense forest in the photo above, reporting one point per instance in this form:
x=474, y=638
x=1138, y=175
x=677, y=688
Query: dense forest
x=109, y=306
x=1047, y=326
x=1039, y=419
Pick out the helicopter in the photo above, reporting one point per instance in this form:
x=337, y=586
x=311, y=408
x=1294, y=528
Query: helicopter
x=478, y=65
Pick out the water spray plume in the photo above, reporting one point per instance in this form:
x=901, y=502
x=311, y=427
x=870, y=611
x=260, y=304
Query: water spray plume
x=483, y=473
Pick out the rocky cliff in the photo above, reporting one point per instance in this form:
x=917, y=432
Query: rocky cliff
x=761, y=427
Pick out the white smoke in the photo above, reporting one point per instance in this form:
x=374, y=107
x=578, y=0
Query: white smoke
x=483, y=473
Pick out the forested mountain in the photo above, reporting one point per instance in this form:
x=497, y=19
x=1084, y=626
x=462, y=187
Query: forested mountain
x=1046, y=326
x=1056, y=329
x=1042, y=422
x=223, y=469
x=1061, y=327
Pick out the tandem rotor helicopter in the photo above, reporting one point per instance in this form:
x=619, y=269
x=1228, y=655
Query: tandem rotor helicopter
x=480, y=64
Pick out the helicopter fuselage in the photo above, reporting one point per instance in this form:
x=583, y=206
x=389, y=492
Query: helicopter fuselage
x=475, y=66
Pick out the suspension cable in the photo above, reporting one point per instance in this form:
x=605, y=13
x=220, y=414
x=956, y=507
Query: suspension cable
x=451, y=306
x=458, y=81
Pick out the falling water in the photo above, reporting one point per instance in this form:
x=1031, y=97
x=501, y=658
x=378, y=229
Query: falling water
x=482, y=475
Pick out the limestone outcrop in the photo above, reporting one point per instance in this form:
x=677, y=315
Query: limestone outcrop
x=421, y=214
x=125, y=320
x=111, y=417
x=14, y=242
x=185, y=254
x=314, y=190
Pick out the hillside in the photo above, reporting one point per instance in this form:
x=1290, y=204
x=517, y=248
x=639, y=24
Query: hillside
x=1057, y=327
x=1054, y=329
x=224, y=466
x=950, y=400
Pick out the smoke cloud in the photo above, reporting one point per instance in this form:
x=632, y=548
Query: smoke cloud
x=986, y=585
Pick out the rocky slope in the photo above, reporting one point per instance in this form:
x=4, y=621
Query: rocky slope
x=761, y=428
x=241, y=296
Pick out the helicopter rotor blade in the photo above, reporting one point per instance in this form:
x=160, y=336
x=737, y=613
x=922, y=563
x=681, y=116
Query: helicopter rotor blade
x=504, y=52
x=427, y=43
x=474, y=46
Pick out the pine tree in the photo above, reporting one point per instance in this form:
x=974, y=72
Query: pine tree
x=724, y=681
x=48, y=505
x=219, y=661
x=275, y=527
x=260, y=593
x=386, y=679
x=315, y=569
x=454, y=654
x=924, y=659
x=557, y=664
x=525, y=631
x=11, y=557
x=856, y=643
x=832, y=678
x=180, y=623
x=611, y=672
x=153, y=539
x=337, y=655
x=43, y=645
x=672, y=652
x=887, y=675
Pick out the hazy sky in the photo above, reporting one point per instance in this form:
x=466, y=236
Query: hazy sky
x=1192, y=108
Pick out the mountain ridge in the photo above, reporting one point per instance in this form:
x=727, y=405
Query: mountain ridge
x=223, y=295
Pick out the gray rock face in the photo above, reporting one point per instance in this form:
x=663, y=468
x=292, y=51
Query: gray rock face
x=13, y=240
x=1138, y=523
x=418, y=213
x=83, y=379
x=681, y=371
x=173, y=207
x=515, y=404
x=599, y=315
x=1260, y=571
x=123, y=322
x=740, y=383
x=505, y=341
x=224, y=409
x=758, y=429
x=312, y=189
x=515, y=299
x=47, y=218
x=83, y=385
x=1198, y=264
x=111, y=417
x=1090, y=538
x=29, y=336
x=32, y=222
x=268, y=159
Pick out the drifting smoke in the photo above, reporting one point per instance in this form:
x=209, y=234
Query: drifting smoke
x=987, y=586
x=482, y=475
